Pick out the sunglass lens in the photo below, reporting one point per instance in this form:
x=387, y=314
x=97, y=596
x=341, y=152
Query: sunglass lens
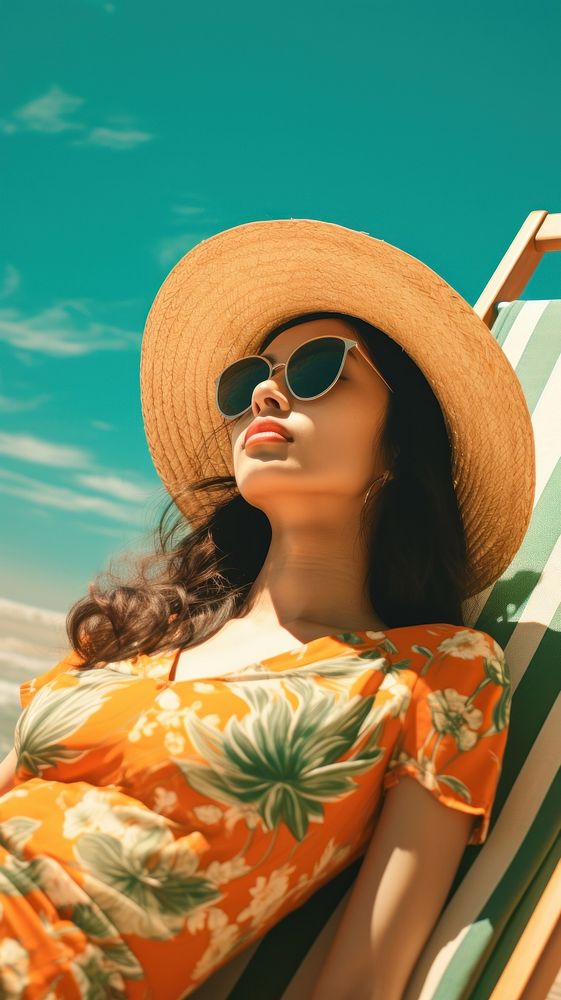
x=315, y=366
x=237, y=383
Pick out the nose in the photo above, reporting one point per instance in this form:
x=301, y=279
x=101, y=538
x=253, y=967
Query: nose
x=272, y=391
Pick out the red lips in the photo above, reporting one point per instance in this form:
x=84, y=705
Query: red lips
x=262, y=424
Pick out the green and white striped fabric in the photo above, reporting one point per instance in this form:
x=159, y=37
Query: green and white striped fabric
x=498, y=883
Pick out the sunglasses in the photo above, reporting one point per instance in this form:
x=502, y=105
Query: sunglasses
x=312, y=369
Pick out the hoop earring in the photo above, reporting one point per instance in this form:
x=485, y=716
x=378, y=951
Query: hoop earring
x=388, y=474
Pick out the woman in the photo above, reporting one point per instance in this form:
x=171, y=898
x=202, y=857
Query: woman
x=237, y=724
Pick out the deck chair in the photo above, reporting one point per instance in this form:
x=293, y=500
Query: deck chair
x=498, y=936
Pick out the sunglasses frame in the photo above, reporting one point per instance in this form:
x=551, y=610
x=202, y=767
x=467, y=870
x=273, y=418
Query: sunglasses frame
x=349, y=345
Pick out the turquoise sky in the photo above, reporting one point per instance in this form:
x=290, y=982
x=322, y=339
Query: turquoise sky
x=131, y=131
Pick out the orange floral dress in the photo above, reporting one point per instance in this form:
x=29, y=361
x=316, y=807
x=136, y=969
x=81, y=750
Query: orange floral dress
x=158, y=827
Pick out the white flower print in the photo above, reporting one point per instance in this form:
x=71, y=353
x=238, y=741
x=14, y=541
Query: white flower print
x=208, y=814
x=14, y=964
x=333, y=854
x=401, y=695
x=171, y=716
x=451, y=715
x=174, y=743
x=196, y=921
x=92, y=814
x=192, y=707
x=247, y=813
x=202, y=687
x=465, y=644
x=164, y=800
x=142, y=727
x=226, y=871
x=223, y=938
x=212, y=719
x=268, y=894
x=217, y=919
x=470, y=644
x=168, y=700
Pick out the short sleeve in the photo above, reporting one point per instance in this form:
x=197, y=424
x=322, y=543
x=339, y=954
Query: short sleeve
x=456, y=725
x=28, y=689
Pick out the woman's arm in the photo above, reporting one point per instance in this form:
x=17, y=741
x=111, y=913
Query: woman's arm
x=397, y=897
x=7, y=772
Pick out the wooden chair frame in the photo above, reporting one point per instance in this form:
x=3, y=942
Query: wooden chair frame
x=534, y=969
x=540, y=233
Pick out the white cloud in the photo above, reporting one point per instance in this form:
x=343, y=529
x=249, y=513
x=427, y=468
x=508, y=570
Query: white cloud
x=8, y=404
x=52, y=112
x=10, y=282
x=46, y=496
x=172, y=248
x=33, y=449
x=62, y=498
x=122, y=489
x=102, y=425
x=64, y=330
x=61, y=456
x=101, y=529
x=49, y=113
x=114, y=138
x=187, y=210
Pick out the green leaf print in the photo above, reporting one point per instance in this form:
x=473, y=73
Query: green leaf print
x=54, y=715
x=123, y=959
x=456, y=785
x=21, y=877
x=96, y=977
x=282, y=759
x=15, y=832
x=146, y=888
x=89, y=921
x=344, y=667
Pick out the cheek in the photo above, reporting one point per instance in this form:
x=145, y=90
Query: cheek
x=348, y=445
x=348, y=414
x=344, y=439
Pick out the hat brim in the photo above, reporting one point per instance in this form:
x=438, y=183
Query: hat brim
x=225, y=294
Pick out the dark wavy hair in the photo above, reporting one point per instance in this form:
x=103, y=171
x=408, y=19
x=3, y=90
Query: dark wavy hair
x=199, y=573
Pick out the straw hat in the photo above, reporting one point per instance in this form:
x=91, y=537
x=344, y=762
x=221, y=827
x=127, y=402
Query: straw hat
x=225, y=294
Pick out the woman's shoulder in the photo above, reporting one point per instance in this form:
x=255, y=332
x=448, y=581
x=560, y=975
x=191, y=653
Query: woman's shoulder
x=152, y=665
x=444, y=646
x=29, y=687
x=451, y=636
